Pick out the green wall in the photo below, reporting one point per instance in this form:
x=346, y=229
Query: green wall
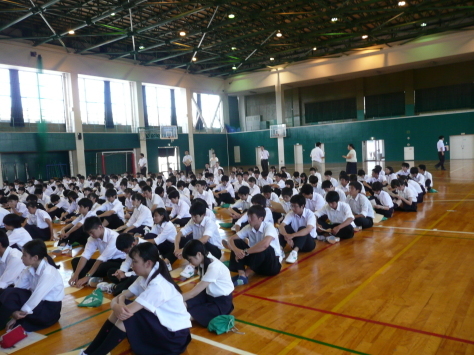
x=34, y=168
x=29, y=142
x=204, y=142
x=111, y=141
x=248, y=141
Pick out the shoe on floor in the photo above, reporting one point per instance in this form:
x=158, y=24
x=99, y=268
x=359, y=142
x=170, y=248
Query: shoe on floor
x=240, y=280
x=233, y=228
x=292, y=257
x=320, y=237
x=332, y=239
x=170, y=268
x=106, y=287
x=94, y=281
x=188, y=271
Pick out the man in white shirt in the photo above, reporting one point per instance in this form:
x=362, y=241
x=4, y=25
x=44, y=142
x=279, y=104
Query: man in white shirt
x=180, y=210
x=103, y=240
x=142, y=164
x=213, y=160
x=298, y=229
x=314, y=201
x=264, y=156
x=317, y=157
x=262, y=255
x=360, y=206
x=441, y=149
x=187, y=161
x=224, y=192
x=153, y=201
x=11, y=265
x=341, y=218
x=111, y=213
x=206, y=195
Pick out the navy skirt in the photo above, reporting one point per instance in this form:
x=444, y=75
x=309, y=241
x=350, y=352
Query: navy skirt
x=147, y=336
x=203, y=308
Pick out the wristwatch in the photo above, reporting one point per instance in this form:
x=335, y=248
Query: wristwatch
x=246, y=252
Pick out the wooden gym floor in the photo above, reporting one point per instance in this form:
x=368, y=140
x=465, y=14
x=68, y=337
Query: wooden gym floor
x=405, y=286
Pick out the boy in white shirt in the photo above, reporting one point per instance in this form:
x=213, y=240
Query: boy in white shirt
x=73, y=232
x=141, y=221
x=11, y=265
x=224, y=193
x=183, y=190
x=428, y=178
x=39, y=223
x=237, y=209
x=405, y=170
x=262, y=255
x=180, y=212
x=328, y=177
x=111, y=213
x=206, y=195
x=314, y=201
x=383, y=202
x=360, y=206
x=153, y=201
x=57, y=207
x=254, y=189
x=240, y=182
x=405, y=199
x=328, y=186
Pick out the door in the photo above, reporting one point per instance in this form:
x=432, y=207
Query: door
x=462, y=146
x=373, y=150
x=168, y=157
x=298, y=151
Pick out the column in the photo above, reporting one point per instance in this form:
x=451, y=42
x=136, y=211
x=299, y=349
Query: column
x=409, y=93
x=141, y=119
x=189, y=110
x=241, y=99
x=1, y=173
x=280, y=111
x=225, y=109
x=78, y=154
x=360, y=98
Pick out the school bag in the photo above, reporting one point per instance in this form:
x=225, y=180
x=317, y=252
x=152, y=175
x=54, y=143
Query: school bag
x=11, y=337
x=93, y=300
x=223, y=324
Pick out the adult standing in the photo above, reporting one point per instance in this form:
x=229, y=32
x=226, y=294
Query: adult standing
x=213, y=160
x=142, y=164
x=441, y=149
x=351, y=160
x=264, y=155
x=317, y=157
x=187, y=161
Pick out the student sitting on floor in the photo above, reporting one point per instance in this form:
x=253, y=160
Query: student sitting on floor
x=17, y=207
x=104, y=240
x=17, y=235
x=341, y=219
x=212, y=296
x=35, y=301
x=316, y=185
x=314, y=201
x=156, y=322
x=360, y=206
x=201, y=192
x=256, y=200
x=11, y=265
x=383, y=201
x=406, y=197
x=419, y=179
x=328, y=177
x=3, y=213
x=428, y=178
x=180, y=212
x=121, y=278
x=389, y=175
x=202, y=228
x=141, y=221
x=111, y=212
x=328, y=186
x=163, y=235
x=271, y=196
x=224, y=192
x=285, y=199
x=57, y=207
x=262, y=255
x=39, y=223
x=298, y=229
x=72, y=208
x=405, y=170
x=73, y=232
x=153, y=201
x=238, y=209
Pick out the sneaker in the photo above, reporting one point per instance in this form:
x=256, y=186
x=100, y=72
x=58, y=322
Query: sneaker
x=292, y=257
x=332, y=239
x=233, y=228
x=188, y=271
x=106, y=287
x=94, y=281
x=170, y=268
x=320, y=237
x=83, y=352
x=280, y=258
x=67, y=249
x=240, y=280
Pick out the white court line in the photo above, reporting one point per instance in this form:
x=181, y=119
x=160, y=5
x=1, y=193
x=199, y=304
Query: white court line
x=220, y=345
x=451, y=200
x=452, y=171
x=420, y=229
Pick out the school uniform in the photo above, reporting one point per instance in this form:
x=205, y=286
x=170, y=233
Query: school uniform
x=237, y=185
x=61, y=207
x=115, y=220
x=418, y=189
x=406, y=194
x=79, y=236
x=244, y=220
x=391, y=177
x=140, y=219
x=18, y=237
x=207, y=227
x=241, y=207
x=384, y=199
x=281, y=185
x=342, y=194
x=318, y=190
x=184, y=198
x=21, y=208
x=216, y=299
x=206, y=196
x=286, y=205
x=428, y=180
x=185, y=192
x=361, y=205
x=72, y=209
x=403, y=173
x=226, y=197
x=336, y=217
x=164, y=235
x=161, y=327
x=155, y=200
x=180, y=210
x=37, y=226
x=22, y=197
x=39, y=293
x=11, y=267
x=267, y=262
x=315, y=203
x=95, y=207
x=254, y=190
x=109, y=254
x=293, y=223
x=3, y=213
x=44, y=200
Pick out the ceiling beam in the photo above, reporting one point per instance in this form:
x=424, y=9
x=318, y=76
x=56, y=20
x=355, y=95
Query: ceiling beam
x=31, y=12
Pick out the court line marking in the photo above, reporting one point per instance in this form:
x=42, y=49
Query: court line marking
x=366, y=282
x=364, y=320
x=79, y=321
x=220, y=345
x=427, y=230
x=282, y=271
x=300, y=337
x=471, y=200
x=433, y=236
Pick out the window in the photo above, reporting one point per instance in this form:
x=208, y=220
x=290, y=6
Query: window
x=121, y=104
x=42, y=97
x=211, y=110
x=158, y=103
x=5, y=100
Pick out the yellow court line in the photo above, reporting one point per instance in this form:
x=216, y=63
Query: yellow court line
x=365, y=283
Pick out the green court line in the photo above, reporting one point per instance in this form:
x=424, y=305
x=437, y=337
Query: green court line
x=79, y=321
x=302, y=337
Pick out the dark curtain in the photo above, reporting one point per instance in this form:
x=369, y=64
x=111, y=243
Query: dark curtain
x=166, y=152
x=16, y=118
x=385, y=105
x=199, y=123
x=145, y=109
x=174, y=119
x=109, y=118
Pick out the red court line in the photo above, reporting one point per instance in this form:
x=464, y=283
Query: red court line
x=366, y=320
x=282, y=271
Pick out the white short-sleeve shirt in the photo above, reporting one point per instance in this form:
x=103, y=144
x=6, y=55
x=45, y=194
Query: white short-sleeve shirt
x=266, y=230
x=206, y=227
x=307, y=218
x=218, y=276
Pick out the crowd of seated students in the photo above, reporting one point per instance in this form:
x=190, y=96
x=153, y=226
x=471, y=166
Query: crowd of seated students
x=141, y=225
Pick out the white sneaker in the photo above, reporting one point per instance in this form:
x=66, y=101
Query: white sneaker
x=332, y=239
x=188, y=271
x=170, y=268
x=292, y=257
x=233, y=228
x=66, y=249
x=94, y=281
x=320, y=237
x=83, y=352
x=106, y=287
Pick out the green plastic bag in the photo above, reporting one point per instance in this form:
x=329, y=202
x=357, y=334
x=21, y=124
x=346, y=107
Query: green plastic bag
x=93, y=300
x=222, y=324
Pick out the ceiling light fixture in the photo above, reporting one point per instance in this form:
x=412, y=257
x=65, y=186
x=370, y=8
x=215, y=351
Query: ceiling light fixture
x=279, y=34
x=315, y=48
x=234, y=48
x=402, y=3
x=231, y=16
x=423, y=24
x=182, y=33
x=112, y=14
x=234, y=67
x=141, y=47
x=71, y=32
x=272, y=58
x=194, y=59
x=334, y=19
x=365, y=37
